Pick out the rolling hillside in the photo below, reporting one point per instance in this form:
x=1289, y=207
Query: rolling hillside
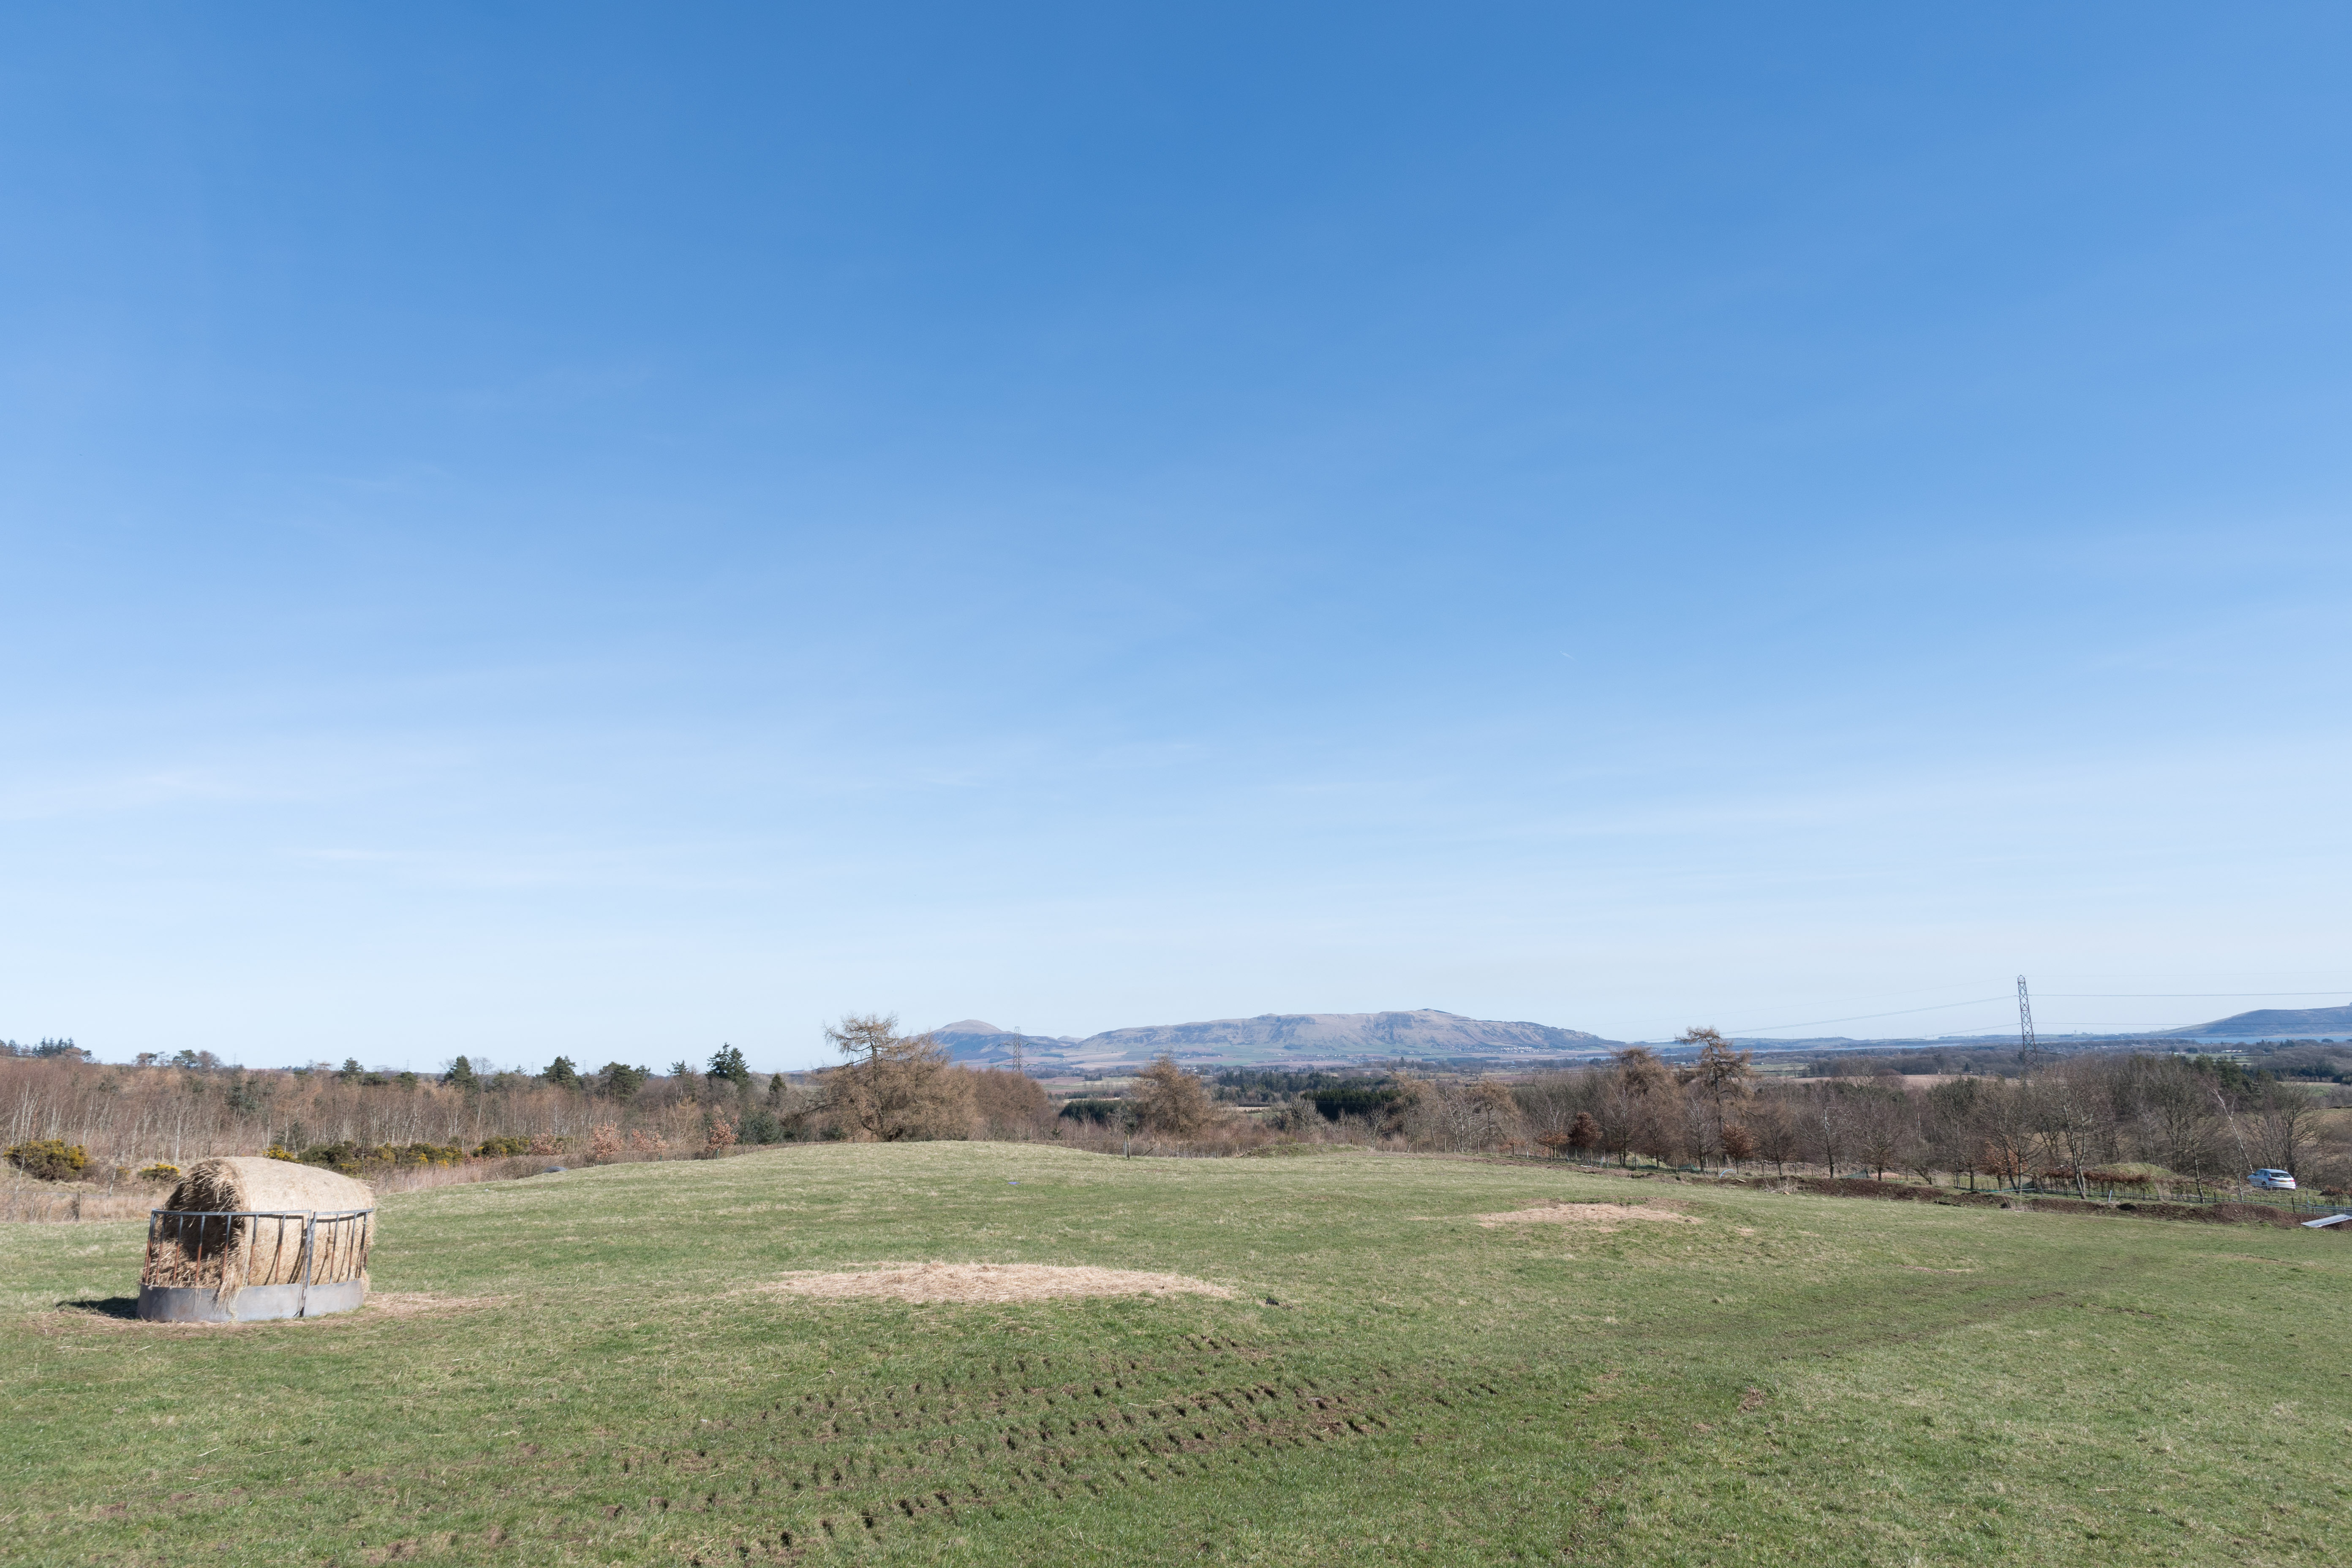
x=2275, y=1024
x=1291, y=1038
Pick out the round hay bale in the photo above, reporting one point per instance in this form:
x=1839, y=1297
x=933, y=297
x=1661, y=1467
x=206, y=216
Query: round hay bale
x=264, y=1252
x=250, y=1181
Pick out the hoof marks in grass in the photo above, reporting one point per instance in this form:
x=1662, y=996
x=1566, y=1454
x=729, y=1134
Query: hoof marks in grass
x=988, y=1282
x=1604, y=1216
x=1020, y=1445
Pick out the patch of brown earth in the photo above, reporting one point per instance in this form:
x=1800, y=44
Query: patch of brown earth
x=1605, y=1215
x=988, y=1282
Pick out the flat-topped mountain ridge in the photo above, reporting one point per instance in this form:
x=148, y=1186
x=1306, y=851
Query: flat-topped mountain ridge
x=2276, y=1024
x=1275, y=1038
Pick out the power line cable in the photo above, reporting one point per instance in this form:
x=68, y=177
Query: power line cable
x=2339, y=991
x=2069, y=995
x=1858, y=1018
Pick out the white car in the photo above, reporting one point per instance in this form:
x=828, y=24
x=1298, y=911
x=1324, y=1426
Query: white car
x=2276, y=1181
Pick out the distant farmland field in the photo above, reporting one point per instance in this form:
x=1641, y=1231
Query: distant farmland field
x=591, y=1368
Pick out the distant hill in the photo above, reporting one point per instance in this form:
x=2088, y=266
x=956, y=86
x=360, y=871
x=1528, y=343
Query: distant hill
x=1295, y=1038
x=977, y=1041
x=2275, y=1024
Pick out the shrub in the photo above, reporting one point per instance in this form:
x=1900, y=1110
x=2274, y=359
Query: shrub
x=719, y=1139
x=1370, y=1101
x=1298, y=1116
x=158, y=1171
x=603, y=1145
x=49, y=1159
x=343, y=1157
x=351, y=1159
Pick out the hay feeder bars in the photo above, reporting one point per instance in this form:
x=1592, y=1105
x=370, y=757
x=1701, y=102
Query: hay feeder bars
x=216, y=1266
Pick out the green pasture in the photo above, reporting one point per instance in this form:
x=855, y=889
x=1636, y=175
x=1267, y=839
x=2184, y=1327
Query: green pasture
x=598, y=1376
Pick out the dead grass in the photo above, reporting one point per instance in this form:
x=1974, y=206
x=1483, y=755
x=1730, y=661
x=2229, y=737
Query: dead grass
x=988, y=1282
x=418, y=1303
x=48, y=1205
x=1604, y=1216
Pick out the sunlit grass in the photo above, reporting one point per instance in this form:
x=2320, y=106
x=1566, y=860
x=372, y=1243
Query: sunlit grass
x=585, y=1368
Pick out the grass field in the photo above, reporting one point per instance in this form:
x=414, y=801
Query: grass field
x=585, y=1368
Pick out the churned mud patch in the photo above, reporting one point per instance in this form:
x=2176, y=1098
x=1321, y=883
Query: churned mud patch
x=988, y=1282
x=1607, y=1217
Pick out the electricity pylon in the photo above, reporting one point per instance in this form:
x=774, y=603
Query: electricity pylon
x=2028, y=1051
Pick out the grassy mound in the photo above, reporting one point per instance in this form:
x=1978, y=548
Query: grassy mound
x=594, y=1368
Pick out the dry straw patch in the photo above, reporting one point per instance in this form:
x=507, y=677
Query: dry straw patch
x=417, y=1303
x=1603, y=1216
x=988, y=1282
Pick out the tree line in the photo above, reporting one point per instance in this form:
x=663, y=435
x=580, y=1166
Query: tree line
x=2106, y=1120
x=2117, y=1119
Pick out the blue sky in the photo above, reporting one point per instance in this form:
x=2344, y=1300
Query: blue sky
x=536, y=528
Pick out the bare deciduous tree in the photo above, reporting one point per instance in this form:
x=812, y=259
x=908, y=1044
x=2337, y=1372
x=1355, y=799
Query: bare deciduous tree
x=2282, y=1118
x=1171, y=1102
x=1881, y=1124
x=1640, y=1070
x=1448, y=1113
x=1009, y=1105
x=1584, y=1132
x=1828, y=1124
x=895, y=1087
x=1947, y=1118
x=1722, y=1074
x=1775, y=1134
